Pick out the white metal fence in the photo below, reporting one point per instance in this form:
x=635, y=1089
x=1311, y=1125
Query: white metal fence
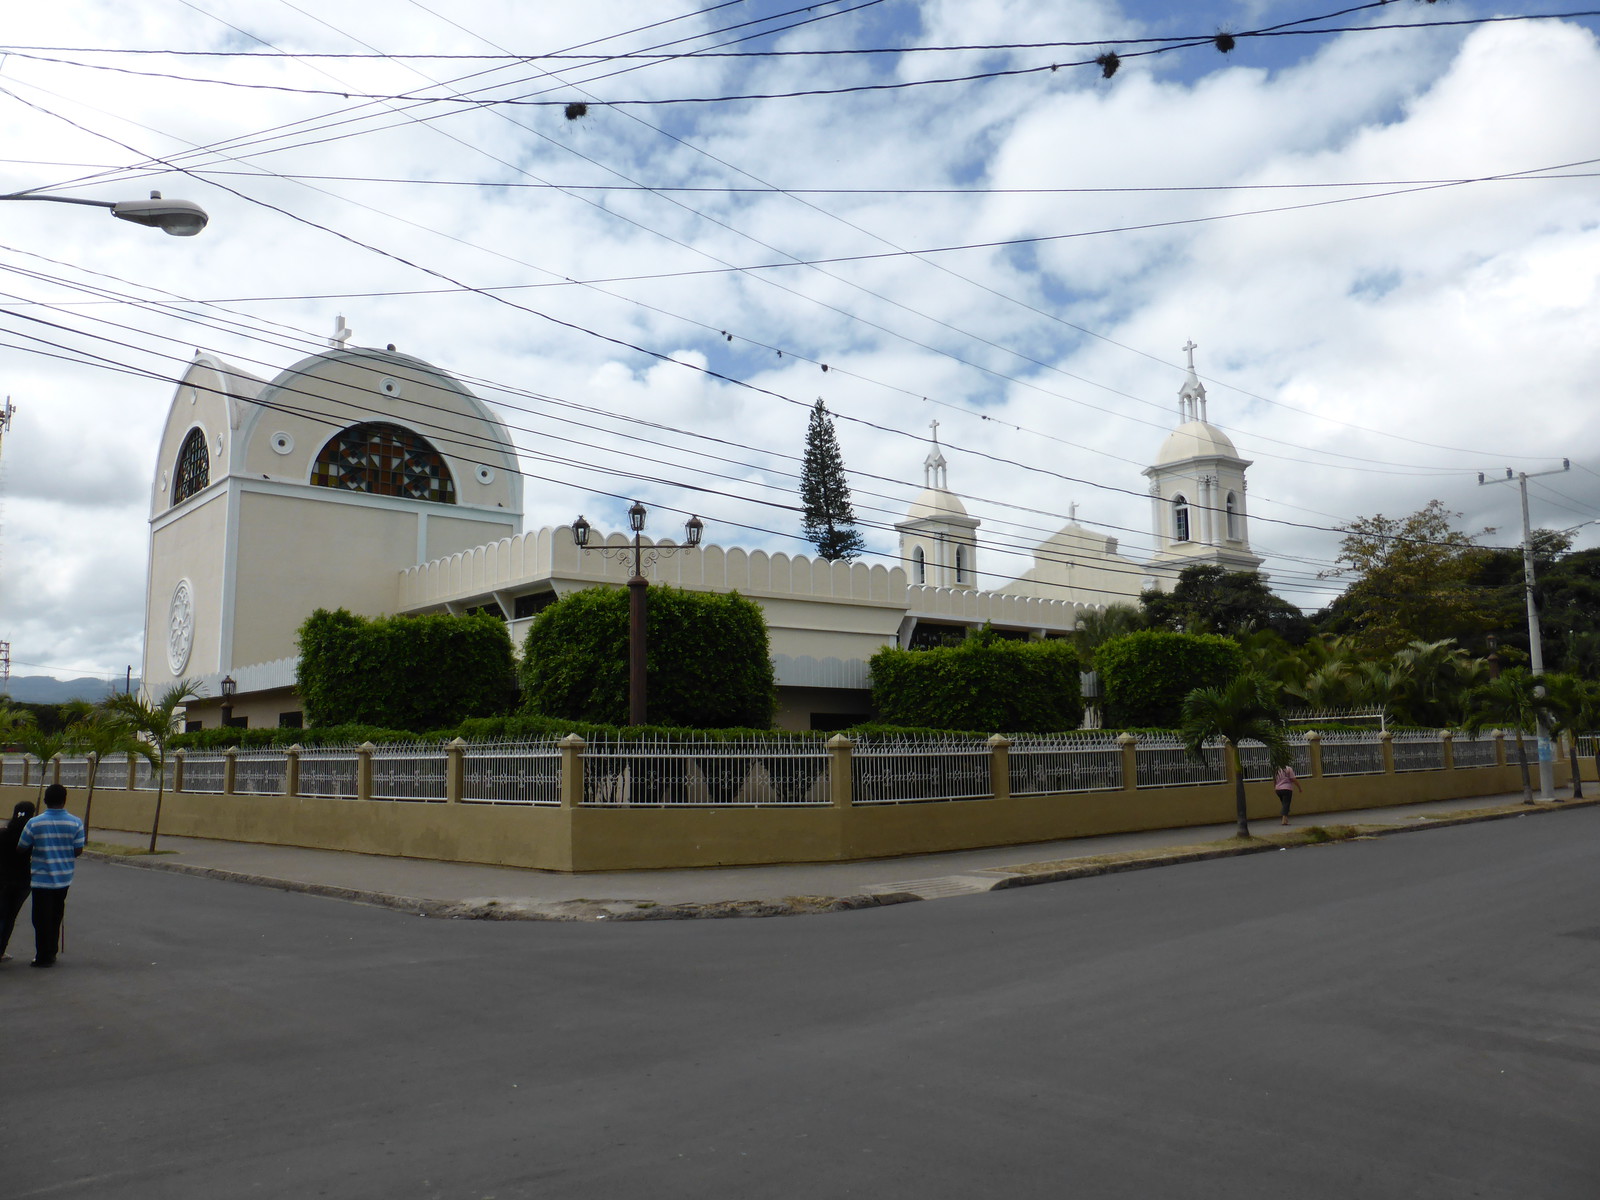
x=329, y=771
x=1418, y=751
x=1474, y=751
x=204, y=772
x=259, y=773
x=1065, y=764
x=146, y=778
x=1352, y=754
x=756, y=771
x=906, y=771
x=406, y=771
x=1162, y=761
x=760, y=771
x=511, y=773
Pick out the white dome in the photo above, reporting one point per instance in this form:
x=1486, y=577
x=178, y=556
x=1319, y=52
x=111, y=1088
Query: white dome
x=1195, y=439
x=935, y=504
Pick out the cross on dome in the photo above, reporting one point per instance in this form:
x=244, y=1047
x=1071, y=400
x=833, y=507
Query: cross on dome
x=933, y=467
x=1192, y=395
x=341, y=334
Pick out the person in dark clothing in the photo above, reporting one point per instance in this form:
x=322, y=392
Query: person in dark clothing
x=14, y=873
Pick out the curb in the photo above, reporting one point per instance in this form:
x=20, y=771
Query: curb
x=491, y=909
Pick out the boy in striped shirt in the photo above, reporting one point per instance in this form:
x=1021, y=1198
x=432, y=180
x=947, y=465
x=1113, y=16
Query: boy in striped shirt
x=55, y=837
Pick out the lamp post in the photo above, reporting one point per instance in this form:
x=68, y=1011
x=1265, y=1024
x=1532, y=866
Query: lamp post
x=180, y=218
x=638, y=587
x=229, y=687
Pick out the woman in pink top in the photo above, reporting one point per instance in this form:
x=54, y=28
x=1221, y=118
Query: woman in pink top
x=1286, y=783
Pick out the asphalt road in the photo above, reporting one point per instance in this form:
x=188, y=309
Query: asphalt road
x=1414, y=1016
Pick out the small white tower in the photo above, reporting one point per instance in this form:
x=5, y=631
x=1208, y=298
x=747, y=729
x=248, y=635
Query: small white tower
x=1197, y=492
x=938, y=540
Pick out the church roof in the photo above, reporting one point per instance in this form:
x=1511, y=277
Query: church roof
x=935, y=503
x=1195, y=439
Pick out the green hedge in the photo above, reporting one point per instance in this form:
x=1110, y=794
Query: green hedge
x=409, y=673
x=1144, y=676
x=985, y=683
x=707, y=663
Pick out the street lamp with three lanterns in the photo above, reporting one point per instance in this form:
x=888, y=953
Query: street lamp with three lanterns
x=638, y=587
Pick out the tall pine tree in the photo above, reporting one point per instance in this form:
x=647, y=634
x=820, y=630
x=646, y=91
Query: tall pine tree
x=829, y=523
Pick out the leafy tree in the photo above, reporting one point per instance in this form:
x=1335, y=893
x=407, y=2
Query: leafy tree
x=1145, y=676
x=986, y=683
x=707, y=659
x=407, y=672
x=1413, y=579
x=1509, y=702
x=1210, y=599
x=1097, y=626
x=828, y=519
x=1245, y=709
x=152, y=723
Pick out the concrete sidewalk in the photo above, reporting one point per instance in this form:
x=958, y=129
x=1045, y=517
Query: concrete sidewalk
x=466, y=890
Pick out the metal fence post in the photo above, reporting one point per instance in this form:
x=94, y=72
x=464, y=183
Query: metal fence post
x=1447, y=749
x=572, y=747
x=455, y=771
x=1386, y=748
x=1000, y=767
x=230, y=769
x=364, y=770
x=1130, y=761
x=839, y=776
x=291, y=770
x=178, y=756
x=1314, y=752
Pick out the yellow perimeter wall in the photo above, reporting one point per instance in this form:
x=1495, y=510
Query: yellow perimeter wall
x=613, y=839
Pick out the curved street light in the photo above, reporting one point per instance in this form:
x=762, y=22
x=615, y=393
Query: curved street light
x=180, y=218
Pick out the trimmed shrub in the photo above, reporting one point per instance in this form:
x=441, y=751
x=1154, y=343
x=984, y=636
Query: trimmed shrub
x=405, y=673
x=707, y=663
x=987, y=682
x=1144, y=676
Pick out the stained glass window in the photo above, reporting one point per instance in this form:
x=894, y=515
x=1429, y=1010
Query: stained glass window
x=386, y=461
x=194, y=467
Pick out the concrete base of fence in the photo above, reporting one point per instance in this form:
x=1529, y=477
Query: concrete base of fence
x=643, y=838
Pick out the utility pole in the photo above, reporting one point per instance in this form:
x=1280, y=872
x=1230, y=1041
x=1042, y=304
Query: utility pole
x=1547, y=790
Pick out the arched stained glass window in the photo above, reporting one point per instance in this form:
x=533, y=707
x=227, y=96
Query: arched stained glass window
x=384, y=460
x=1233, y=517
x=919, y=564
x=194, y=467
x=1180, y=518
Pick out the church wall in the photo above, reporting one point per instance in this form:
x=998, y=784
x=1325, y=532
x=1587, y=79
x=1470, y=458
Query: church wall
x=297, y=554
x=192, y=549
x=448, y=535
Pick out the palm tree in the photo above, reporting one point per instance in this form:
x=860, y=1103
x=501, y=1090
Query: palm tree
x=43, y=745
x=153, y=723
x=1096, y=626
x=1244, y=710
x=1573, y=708
x=97, y=732
x=1508, y=702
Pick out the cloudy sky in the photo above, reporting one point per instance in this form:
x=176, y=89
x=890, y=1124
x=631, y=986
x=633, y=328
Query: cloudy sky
x=1383, y=240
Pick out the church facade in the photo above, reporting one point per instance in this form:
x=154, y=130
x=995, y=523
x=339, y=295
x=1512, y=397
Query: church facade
x=370, y=480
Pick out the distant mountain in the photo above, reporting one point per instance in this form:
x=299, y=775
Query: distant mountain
x=46, y=689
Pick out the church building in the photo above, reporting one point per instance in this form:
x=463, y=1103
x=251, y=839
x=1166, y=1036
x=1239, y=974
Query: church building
x=370, y=480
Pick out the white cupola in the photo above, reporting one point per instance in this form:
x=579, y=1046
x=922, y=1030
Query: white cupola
x=938, y=540
x=1197, y=492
